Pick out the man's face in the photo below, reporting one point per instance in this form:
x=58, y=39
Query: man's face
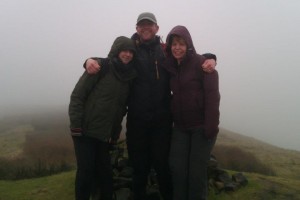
x=146, y=30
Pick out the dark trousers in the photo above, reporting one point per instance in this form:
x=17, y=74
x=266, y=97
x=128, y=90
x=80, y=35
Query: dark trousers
x=189, y=156
x=94, y=171
x=148, y=146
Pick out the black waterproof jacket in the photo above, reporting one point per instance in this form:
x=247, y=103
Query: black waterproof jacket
x=149, y=99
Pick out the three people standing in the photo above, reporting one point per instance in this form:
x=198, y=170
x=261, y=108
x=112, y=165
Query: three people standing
x=149, y=120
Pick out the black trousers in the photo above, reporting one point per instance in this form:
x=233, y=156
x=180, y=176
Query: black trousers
x=189, y=156
x=94, y=171
x=148, y=146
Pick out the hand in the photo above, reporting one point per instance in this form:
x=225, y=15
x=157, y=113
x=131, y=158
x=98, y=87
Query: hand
x=92, y=66
x=209, y=65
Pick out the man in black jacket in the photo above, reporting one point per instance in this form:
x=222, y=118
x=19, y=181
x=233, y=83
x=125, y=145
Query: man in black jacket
x=149, y=119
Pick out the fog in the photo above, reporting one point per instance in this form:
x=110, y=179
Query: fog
x=43, y=45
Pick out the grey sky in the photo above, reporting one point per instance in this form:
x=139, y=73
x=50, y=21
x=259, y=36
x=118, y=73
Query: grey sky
x=44, y=43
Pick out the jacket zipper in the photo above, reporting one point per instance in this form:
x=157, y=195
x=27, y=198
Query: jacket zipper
x=157, y=72
x=180, y=96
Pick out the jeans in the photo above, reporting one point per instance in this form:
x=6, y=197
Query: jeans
x=94, y=170
x=189, y=156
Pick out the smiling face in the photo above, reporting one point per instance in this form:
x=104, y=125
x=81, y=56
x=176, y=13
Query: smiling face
x=146, y=30
x=126, y=56
x=178, y=48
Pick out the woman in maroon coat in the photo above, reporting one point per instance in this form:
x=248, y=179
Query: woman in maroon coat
x=195, y=110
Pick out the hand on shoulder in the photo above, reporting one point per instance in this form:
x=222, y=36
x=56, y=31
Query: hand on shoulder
x=209, y=65
x=92, y=66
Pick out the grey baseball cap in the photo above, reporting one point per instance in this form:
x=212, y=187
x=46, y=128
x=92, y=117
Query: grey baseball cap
x=148, y=16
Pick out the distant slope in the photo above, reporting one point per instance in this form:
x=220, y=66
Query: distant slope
x=285, y=162
x=12, y=139
x=13, y=129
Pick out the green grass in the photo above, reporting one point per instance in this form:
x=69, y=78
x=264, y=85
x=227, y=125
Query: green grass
x=11, y=140
x=263, y=188
x=286, y=163
x=61, y=187
x=56, y=187
x=284, y=186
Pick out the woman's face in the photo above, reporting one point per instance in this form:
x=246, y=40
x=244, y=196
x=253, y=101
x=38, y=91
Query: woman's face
x=126, y=56
x=178, y=48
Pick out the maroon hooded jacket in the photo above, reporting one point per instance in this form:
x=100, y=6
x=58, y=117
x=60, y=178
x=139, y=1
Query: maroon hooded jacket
x=195, y=94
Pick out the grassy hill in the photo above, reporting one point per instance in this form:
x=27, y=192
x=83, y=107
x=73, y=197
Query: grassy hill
x=12, y=139
x=286, y=163
x=14, y=131
x=56, y=187
x=61, y=186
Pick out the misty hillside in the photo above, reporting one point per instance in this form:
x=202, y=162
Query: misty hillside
x=54, y=124
x=273, y=172
x=285, y=162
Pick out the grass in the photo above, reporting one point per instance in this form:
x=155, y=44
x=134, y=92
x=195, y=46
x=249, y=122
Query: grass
x=56, y=187
x=285, y=163
x=11, y=140
x=263, y=188
x=284, y=186
x=61, y=187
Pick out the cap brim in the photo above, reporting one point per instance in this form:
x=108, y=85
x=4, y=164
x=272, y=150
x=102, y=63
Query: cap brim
x=146, y=18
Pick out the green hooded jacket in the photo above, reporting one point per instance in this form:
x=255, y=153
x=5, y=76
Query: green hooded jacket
x=98, y=102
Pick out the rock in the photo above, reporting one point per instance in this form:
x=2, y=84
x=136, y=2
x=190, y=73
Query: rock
x=219, y=185
x=218, y=178
x=240, y=179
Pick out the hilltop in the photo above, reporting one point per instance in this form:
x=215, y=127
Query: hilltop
x=14, y=131
x=285, y=162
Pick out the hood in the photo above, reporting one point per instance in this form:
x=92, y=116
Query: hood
x=121, y=43
x=185, y=34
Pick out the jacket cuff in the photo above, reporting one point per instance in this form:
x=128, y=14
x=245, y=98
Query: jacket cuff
x=76, y=130
x=210, y=56
x=94, y=58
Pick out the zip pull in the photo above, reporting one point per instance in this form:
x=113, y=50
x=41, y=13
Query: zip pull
x=157, y=73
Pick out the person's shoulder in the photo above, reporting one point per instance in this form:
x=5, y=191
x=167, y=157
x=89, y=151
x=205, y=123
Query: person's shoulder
x=104, y=61
x=86, y=77
x=199, y=58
